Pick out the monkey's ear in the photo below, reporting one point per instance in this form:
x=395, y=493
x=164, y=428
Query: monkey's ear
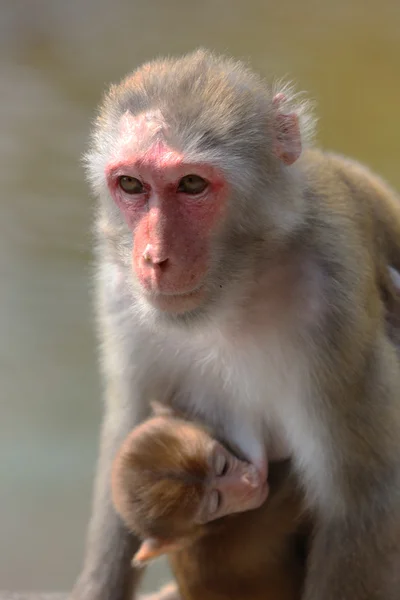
x=152, y=548
x=287, y=143
x=161, y=410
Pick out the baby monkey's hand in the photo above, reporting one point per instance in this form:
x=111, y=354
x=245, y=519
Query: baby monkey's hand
x=167, y=592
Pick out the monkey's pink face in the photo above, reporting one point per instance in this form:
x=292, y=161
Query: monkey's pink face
x=172, y=208
x=234, y=485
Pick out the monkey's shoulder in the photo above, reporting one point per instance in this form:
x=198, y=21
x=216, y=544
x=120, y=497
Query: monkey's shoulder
x=336, y=172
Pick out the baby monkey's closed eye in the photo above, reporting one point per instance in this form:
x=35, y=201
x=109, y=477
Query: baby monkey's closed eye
x=214, y=501
x=221, y=464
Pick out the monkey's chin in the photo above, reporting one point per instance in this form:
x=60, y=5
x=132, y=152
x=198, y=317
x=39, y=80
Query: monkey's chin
x=264, y=493
x=177, y=304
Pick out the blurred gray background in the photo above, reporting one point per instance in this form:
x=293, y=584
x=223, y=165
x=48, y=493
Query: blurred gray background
x=56, y=57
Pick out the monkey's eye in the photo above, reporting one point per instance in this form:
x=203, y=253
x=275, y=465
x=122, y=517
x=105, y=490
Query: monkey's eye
x=130, y=185
x=214, y=502
x=192, y=184
x=221, y=465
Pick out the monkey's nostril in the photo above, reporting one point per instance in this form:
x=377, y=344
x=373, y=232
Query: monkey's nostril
x=163, y=264
x=159, y=263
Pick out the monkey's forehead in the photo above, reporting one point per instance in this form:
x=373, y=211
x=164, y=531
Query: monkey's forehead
x=201, y=101
x=151, y=122
x=190, y=81
x=145, y=135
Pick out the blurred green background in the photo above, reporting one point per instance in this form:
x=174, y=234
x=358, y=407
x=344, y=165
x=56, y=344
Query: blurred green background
x=56, y=57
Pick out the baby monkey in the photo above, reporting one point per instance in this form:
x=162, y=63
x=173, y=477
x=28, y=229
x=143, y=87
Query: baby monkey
x=186, y=495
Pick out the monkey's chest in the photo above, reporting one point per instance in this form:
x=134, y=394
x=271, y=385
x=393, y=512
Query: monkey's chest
x=247, y=391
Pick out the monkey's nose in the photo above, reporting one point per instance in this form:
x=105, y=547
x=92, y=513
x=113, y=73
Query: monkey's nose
x=154, y=258
x=251, y=476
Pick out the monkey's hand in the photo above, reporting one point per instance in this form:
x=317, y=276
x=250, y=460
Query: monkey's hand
x=167, y=592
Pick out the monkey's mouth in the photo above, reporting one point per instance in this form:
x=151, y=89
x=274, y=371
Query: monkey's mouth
x=260, y=495
x=177, y=302
x=257, y=498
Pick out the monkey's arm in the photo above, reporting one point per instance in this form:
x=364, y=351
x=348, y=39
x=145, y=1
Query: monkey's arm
x=107, y=573
x=356, y=550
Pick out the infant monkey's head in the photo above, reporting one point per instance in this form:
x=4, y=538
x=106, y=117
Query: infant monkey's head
x=171, y=477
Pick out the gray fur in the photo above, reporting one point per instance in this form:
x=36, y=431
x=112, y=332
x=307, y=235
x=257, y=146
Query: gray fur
x=291, y=341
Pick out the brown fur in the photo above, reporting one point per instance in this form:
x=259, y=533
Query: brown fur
x=257, y=555
x=158, y=477
x=158, y=483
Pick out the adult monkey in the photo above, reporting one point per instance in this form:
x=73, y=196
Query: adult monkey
x=239, y=279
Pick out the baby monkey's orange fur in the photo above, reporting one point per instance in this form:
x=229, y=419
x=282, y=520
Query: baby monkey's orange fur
x=159, y=483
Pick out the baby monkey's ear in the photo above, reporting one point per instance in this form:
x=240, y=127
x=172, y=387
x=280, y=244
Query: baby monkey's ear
x=152, y=548
x=162, y=410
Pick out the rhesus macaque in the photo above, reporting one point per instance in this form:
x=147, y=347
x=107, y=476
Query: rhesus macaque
x=185, y=495
x=240, y=279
